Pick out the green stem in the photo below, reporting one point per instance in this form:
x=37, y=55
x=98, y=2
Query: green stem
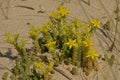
x=46, y=76
x=116, y=27
x=36, y=43
x=74, y=56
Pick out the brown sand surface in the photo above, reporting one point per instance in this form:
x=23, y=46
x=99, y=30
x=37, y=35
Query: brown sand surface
x=15, y=19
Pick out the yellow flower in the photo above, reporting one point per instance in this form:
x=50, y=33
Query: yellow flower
x=40, y=66
x=56, y=16
x=33, y=32
x=86, y=43
x=92, y=54
x=43, y=68
x=53, y=14
x=62, y=11
x=43, y=29
x=95, y=23
x=50, y=45
x=71, y=43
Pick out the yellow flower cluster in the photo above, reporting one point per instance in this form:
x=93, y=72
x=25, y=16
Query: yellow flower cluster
x=50, y=45
x=60, y=13
x=43, y=29
x=71, y=43
x=33, y=32
x=87, y=43
x=95, y=23
x=40, y=66
x=92, y=54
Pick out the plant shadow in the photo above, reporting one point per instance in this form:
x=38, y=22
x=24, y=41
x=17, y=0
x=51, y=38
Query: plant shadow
x=8, y=54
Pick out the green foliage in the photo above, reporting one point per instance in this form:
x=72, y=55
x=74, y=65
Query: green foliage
x=18, y=46
x=110, y=59
x=34, y=34
x=43, y=69
x=23, y=70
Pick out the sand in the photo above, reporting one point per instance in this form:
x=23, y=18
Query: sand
x=16, y=19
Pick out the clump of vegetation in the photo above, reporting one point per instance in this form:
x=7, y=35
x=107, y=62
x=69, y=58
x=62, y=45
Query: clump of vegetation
x=27, y=63
x=67, y=42
x=23, y=70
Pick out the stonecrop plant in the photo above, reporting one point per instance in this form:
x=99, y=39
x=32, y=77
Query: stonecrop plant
x=67, y=41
